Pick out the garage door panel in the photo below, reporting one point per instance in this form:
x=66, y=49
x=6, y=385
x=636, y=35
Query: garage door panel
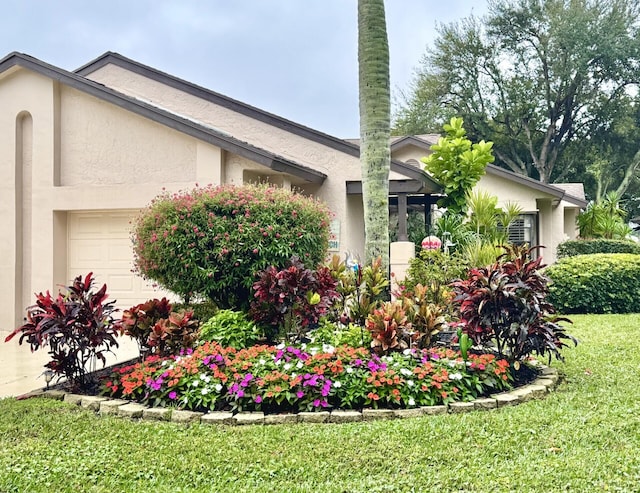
x=99, y=242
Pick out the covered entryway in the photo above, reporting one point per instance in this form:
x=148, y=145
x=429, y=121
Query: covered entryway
x=99, y=242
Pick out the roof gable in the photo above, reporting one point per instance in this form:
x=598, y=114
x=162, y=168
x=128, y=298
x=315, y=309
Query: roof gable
x=559, y=191
x=171, y=120
x=340, y=145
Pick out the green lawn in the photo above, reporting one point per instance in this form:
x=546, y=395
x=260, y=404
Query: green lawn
x=585, y=436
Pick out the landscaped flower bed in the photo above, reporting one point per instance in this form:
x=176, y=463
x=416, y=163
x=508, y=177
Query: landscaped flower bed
x=293, y=379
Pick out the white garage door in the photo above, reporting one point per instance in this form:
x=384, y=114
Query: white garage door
x=99, y=242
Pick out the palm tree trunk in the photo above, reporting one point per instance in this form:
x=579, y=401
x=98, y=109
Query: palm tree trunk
x=375, y=124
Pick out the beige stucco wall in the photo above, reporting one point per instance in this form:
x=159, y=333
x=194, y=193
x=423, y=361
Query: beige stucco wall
x=338, y=166
x=84, y=154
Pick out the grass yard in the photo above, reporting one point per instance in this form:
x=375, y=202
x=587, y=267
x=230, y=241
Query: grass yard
x=583, y=437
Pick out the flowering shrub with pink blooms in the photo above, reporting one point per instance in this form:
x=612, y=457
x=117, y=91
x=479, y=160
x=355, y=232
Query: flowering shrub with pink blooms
x=305, y=378
x=210, y=242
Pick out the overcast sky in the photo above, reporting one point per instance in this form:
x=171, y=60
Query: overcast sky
x=294, y=58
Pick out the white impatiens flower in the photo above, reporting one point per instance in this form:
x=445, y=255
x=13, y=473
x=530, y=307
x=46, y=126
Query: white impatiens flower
x=455, y=376
x=299, y=364
x=348, y=369
x=280, y=346
x=411, y=402
x=195, y=383
x=218, y=387
x=406, y=372
x=410, y=383
x=287, y=366
x=328, y=348
x=262, y=361
x=205, y=391
x=337, y=384
x=407, y=352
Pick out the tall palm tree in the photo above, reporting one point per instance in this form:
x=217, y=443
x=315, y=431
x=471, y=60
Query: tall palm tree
x=375, y=122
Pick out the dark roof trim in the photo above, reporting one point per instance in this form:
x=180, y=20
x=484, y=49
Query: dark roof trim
x=497, y=171
x=217, y=98
x=247, y=110
x=176, y=122
x=395, y=187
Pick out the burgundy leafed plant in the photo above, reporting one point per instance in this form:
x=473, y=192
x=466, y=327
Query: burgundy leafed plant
x=77, y=326
x=505, y=306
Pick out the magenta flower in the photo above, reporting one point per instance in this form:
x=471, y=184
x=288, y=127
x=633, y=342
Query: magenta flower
x=258, y=399
x=173, y=395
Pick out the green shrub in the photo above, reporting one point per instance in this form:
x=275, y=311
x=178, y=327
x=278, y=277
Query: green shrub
x=202, y=310
x=336, y=334
x=230, y=328
x=435, y=269
x=572, y=248
x=598, y=283
x=210, y=242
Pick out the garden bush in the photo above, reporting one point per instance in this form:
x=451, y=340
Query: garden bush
x=598, y=283
x=572, y=248
x=230, y=328
x=210, y=242
x=290, y=301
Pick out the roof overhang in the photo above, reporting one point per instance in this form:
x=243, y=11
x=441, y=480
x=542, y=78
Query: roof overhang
x=171, y=120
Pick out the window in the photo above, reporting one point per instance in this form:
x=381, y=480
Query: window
x=523, y=230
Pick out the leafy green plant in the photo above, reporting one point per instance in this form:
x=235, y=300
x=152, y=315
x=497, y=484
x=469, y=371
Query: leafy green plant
x=457, y=164
x=434, y=270
x=361, y=289
x=337, y=334
x=572, y=248
x=209, y=242
x=291, y=300
x=230, y=328
x=604, y=219
x=597, y=283
x=77, y=327
x=505, y=306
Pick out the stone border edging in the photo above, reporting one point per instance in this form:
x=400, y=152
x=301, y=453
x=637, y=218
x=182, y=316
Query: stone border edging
x=537, y=389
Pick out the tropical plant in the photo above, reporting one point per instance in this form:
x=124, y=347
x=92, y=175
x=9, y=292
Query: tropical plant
x=457, y=164
x=604, y=219
x=76, y=326
x=375, y=127
x=173, y=334
x=290, y=301
x=138, y=321
x=389, y=328
x=209, y=242
x=504, y=306
x=230, y=328
x=362, y=290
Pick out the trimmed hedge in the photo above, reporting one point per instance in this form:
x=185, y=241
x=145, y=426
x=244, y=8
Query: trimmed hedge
x=598, y=283
x=572, y=248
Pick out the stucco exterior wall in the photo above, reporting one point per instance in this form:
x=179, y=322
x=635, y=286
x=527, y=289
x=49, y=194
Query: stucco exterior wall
x=339, y=166
x=103, y=145
x=80, y=154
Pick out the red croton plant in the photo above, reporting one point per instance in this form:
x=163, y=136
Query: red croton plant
x=77, y=326
x=504, y=307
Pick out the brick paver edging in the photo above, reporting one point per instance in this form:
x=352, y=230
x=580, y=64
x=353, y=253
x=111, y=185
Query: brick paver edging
x=537, y=389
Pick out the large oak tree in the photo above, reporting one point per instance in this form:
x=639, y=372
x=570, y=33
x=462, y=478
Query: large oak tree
x=542, y=79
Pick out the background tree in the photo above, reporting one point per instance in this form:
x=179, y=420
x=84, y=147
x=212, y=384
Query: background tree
x=375, y=124
x=537, y=77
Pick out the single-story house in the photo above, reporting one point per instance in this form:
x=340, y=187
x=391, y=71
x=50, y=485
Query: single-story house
x=82, y=152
